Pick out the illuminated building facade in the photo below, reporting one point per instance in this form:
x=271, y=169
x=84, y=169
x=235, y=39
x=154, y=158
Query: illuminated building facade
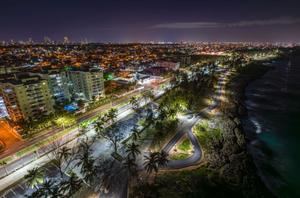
x=88, y=83
x=27, y=97
x=58, y=85
x=3, y=110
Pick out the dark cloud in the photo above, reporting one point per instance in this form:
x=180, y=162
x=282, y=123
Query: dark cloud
x=201, y=25
x=129, y=20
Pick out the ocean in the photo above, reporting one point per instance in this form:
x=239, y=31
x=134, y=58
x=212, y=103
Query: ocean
x=273, y=127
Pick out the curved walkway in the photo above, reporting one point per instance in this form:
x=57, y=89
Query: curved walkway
x=186, y=126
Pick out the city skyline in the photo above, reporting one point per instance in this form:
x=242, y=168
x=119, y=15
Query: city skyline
x=144, y=21
x=149, y=98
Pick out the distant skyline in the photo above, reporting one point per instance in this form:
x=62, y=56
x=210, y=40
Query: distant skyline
x=155, y=20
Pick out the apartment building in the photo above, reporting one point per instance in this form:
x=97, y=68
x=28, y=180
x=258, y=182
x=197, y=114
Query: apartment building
x=58, y=84
x=87, y=83
x=27, y=97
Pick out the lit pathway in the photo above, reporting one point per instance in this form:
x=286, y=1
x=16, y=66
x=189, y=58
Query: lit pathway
x=186, y=125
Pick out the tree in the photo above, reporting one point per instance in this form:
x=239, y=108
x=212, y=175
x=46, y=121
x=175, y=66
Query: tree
x=65, y=120
x=150, y=116
x=65, y=154
x=86, y=163
x=82, y=129
x=47, y=188
x=99, y=127
x=148, y=95
x=133, y=150
x=155, y=160
x=112, y=114
x=56, y=191
x=130, y=165
x=135, y=133
x=112, y=134
x=60, y=156
x=34, y=177
x=150, y=163
x=71, y=186
x=162, y=159
x=134, y=103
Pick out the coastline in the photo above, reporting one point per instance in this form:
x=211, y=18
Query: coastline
x=227, y=167
x=235, y=111
x=227, y=162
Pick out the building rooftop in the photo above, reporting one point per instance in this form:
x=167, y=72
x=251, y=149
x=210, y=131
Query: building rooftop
x=21, y=78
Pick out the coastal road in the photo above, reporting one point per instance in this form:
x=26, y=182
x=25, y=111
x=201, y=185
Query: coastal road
x=185, y=128
x=19, y=162
x=48, y=133
x=12, y=180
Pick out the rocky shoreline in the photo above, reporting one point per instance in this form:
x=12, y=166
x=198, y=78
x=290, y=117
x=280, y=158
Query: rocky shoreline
x=227, y=170
x=229, y=156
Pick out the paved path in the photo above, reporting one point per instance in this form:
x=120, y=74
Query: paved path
x=186, y=125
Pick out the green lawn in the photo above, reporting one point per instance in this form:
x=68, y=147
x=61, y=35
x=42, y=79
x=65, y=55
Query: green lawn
x=207, y=135
x=183, y=150
x=179, y=156
x=185, y=145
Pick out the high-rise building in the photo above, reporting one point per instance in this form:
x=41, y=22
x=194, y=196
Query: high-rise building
x=87, y=83
x=185, y=60
x=26, y=97
x=58, y=85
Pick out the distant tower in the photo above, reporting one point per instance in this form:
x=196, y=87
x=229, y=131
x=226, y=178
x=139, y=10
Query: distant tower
x=30, y=41
x=12, y=42
x=66, y=40
x=47, y=40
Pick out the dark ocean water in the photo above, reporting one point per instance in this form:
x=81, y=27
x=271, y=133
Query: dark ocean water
x=273, y=127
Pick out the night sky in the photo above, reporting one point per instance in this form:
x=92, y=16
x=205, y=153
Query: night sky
x=151, y=20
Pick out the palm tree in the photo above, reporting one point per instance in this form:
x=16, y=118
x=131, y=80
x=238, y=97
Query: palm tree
x=56, y=191
x=135, y=133
x=71, y=186
x=89, y=174
x=64, y=155
x=150, y=119
x=112, y=114
x=163, y=114
x=162, y=159
x=99, y=128
x=86, y=163
x=148, y=95
x=133, y=150
x=134, y=103
x=47, y=188
x=84, y=146
x=34, y=177
x=150, y=163
x=171, y=112
x=82, y=129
